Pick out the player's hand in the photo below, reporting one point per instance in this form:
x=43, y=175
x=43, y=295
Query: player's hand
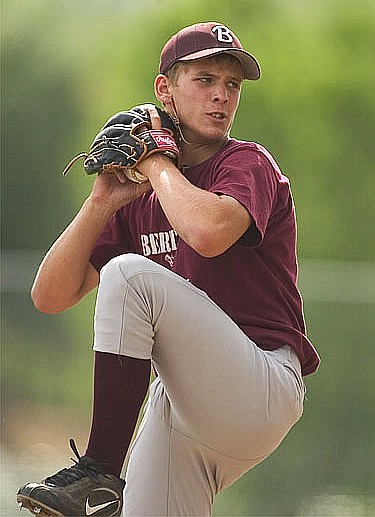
x=113, y=190
x=127, y=139
x=154, y=116
x=156, y=123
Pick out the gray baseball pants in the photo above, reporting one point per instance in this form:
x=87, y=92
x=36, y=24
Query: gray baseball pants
x=220, y=404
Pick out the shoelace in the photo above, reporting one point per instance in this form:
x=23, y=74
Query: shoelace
x=74, y=473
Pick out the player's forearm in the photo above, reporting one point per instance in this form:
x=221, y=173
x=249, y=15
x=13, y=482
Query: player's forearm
x=207, y=222
x=62, y=279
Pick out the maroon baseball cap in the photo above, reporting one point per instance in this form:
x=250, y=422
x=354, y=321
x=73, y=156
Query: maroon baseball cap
x=204, y=40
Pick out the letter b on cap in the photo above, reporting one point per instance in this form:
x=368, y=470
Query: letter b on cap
x=222, y=34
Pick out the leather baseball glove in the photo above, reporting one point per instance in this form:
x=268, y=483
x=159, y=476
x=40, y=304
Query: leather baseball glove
x=126, y=139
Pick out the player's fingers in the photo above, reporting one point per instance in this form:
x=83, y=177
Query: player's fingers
x=117, y=172
x=154, y=117
x=120, y=176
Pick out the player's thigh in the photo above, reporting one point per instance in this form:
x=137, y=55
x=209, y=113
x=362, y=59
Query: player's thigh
x=216, y=378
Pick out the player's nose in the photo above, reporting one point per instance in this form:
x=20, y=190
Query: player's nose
x=220, y=93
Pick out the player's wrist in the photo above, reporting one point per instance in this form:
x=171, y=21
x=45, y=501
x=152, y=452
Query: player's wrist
x=98, y=208
x=155, y=163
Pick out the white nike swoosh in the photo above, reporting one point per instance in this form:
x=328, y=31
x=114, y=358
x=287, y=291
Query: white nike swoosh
x=90, y=510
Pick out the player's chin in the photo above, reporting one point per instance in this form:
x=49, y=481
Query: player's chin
x=205, y=134
x=219, y=130
x=214, y=133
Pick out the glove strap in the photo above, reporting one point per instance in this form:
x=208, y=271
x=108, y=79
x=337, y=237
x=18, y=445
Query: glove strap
x=161, y=141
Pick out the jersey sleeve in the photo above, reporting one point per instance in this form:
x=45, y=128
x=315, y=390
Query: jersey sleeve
x=114, y=240
x=249, y=176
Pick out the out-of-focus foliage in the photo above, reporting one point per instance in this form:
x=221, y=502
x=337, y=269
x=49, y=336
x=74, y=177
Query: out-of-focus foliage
x=67, y=66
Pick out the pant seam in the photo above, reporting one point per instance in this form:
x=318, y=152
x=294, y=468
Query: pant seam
x=123, y=317
x=169, y=468
x=177, y=431
x=128, y=276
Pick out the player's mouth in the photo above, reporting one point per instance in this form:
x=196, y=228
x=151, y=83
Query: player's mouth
x=217, y=115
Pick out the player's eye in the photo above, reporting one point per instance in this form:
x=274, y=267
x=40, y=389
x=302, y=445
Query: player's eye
x=234, y=85
x=204, y=79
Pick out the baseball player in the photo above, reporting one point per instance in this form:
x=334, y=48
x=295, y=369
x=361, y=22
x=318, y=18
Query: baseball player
x=196, y=267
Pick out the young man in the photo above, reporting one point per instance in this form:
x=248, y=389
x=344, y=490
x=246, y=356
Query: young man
x=198, y=278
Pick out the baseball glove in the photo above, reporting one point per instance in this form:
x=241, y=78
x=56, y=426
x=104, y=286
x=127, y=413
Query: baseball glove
x=126, y=139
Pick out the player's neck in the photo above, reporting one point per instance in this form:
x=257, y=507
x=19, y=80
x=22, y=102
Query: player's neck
x=195, y=153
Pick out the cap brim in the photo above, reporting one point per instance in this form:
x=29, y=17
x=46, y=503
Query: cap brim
x=248, y=62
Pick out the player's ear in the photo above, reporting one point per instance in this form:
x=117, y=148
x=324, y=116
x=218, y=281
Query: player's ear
x=162, y=87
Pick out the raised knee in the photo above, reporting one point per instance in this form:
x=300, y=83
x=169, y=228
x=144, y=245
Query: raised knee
x=125, y=265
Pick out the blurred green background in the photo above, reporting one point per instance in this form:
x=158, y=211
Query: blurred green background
x=66, y=67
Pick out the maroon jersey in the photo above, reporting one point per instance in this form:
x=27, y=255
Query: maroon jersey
x=255, y=280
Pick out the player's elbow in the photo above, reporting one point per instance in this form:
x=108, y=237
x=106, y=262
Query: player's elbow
x=209, y=244
x=213, y=240
x=217, y=234
x=46, y=305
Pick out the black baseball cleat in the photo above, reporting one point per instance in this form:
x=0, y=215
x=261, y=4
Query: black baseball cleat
x=83, y=489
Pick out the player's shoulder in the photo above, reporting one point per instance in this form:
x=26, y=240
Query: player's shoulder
x=252, y=152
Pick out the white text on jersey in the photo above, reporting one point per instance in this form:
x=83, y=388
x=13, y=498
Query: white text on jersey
x=161, y=242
